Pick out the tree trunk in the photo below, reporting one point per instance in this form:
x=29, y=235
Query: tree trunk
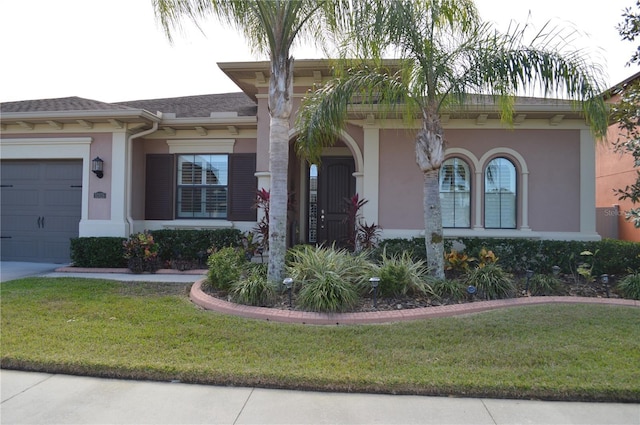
x=429, y=156
x=433, y=236
x=280, y=105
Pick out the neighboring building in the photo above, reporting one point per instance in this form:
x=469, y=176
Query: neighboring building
x=614, y=170
x=198, y=162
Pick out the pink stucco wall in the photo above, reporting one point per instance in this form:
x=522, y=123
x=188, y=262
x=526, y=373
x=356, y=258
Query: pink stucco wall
x=552, y=158
x=100, y=209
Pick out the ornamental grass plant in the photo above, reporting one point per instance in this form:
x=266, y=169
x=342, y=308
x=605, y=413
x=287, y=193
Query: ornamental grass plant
x=491, y=282
x=629, y=286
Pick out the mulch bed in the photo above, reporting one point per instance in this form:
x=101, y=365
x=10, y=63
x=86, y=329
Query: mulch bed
x=569, y=287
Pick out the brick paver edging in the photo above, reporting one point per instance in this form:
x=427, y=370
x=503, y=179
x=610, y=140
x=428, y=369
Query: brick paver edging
x=125, y=271
x=200, y=298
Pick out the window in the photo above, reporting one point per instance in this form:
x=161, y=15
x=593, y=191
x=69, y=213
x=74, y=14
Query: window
x=500, y=194
x=455, y=193
x=202, y=186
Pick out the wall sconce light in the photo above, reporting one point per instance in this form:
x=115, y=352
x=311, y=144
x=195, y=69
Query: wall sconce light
x=288, y=283
x=375, y=281
x=97, y=166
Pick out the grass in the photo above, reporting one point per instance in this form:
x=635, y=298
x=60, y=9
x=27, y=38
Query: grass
x=152, y=331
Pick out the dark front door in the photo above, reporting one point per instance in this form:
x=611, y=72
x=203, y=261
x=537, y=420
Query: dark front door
x=335, y=184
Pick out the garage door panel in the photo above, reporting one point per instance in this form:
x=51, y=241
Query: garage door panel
x=41, y=209
x=14, y=198
x=20, y=249
x=61, y=198
x=20, y=171
x=61, y=171
x=12, y=223
x=60, y=225
x=54, y=251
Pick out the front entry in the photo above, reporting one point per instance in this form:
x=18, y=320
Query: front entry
x=334, y=182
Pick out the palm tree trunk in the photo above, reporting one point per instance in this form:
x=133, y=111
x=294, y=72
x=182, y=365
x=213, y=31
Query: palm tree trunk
x=429, y=156
x=433, y=224
x=280, y=105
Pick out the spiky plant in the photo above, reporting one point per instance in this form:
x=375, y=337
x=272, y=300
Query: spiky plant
x=491, y=282
x=629, y=286
x=401, y=275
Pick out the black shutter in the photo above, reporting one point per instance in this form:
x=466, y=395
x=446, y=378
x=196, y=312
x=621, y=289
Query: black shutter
x=159, y=184
x=243, y=185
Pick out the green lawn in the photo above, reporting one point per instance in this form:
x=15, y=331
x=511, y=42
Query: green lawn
x=152, y=331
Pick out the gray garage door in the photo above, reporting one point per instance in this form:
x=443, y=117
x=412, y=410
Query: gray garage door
x=41, y=204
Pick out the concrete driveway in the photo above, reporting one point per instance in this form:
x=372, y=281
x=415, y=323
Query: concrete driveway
x=11, y=270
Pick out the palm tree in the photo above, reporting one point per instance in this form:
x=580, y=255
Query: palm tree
x=272, y=27
x=443, y=54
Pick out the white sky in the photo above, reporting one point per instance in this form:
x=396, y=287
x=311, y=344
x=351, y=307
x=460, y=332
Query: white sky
x=113, y=50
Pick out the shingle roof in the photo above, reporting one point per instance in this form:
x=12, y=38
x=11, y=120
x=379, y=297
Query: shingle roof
x=183, y=107
x=198, y=106
x=59, y=104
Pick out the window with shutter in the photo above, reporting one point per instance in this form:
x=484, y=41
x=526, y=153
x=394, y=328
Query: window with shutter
x=202, y=186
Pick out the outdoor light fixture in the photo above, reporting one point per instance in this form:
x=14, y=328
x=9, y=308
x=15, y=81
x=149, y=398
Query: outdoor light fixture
x=97, y=166
x=529, y=274
x=288, y=283
x=605, y=281
x=375, y=281
x=471, y=290
x=555, y=270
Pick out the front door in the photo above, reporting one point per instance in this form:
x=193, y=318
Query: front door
x=335, y=184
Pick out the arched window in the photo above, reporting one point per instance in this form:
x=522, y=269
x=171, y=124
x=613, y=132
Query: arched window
x=500, y=194
x=455, y=193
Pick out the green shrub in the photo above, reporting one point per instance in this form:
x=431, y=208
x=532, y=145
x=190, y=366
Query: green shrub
x=451, y=289
x=401, y=275
x=307, y=263
x=328, y=279
x=518, y=255
x=253, y=290
x=491, y=281
x=543, y=284
x=97, y=252
x=225, y=267
x=191, y=246
x=629, y=286
x=328, y=292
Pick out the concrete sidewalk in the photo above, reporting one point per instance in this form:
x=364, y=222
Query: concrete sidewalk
x=40, y=398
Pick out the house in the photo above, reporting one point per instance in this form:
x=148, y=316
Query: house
x=615, y=170
x=196, y=162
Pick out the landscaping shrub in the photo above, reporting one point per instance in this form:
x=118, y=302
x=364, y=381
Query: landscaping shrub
x=97, y=252
x=141, y=253
x=518, y=255
x=306, y=263
x=225, y=267
x=447, y=289
x=254, y=289
x=328, y=292
x=491, y=282
x=629, y=286
x=192, y=246
x=401, y=275
x=543, y=284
